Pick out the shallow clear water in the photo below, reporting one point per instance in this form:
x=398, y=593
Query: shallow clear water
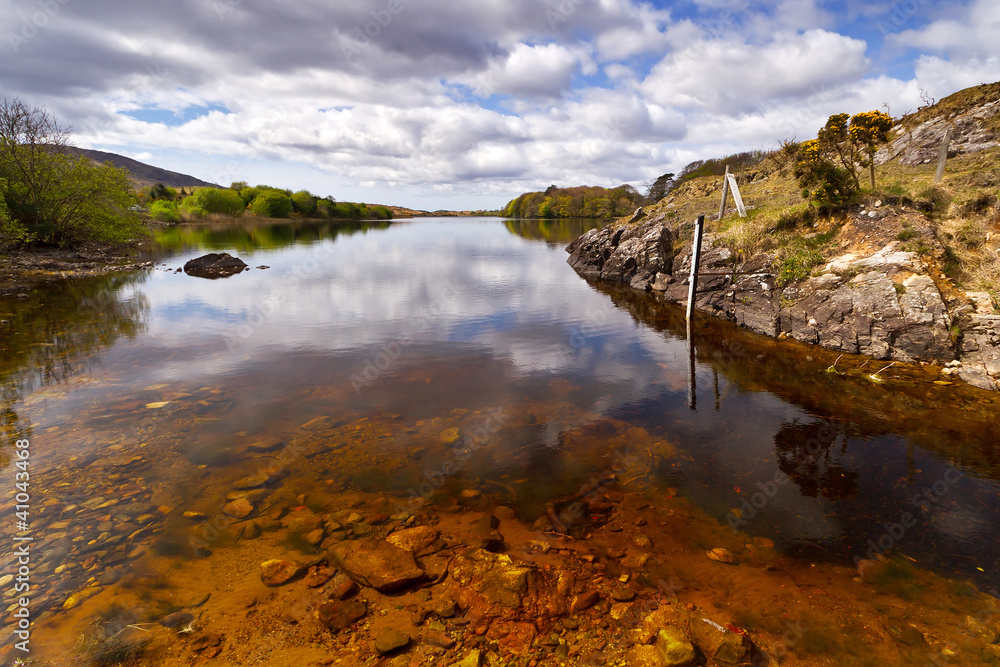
x=480, y=324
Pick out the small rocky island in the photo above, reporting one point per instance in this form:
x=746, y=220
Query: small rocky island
x=215, y=265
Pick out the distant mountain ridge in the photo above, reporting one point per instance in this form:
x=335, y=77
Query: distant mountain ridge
x=140, y=173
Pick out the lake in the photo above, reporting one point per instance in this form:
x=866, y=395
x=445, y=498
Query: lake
x=440, y=355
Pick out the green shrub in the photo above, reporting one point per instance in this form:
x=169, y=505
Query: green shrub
x=12, y=233
x=189, y=208
x=161, y=191
x=272, y=204
x=829, y=186
x=164, y=211
x=347, y=210
x=829, y=165
x=377, y=213
x=249, y=194
x=222, y=201
x=304, y=203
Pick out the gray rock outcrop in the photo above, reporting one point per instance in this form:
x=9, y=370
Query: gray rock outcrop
x=628, y=253
x=883, y=305
x=970, y=133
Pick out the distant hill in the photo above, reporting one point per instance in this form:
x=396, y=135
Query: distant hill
x=579, y=202
x=140, y=173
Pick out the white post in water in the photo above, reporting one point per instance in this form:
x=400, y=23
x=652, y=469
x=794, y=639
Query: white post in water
x=692, y=369
x=725, y=194
x=942, y=156
x=695, y=262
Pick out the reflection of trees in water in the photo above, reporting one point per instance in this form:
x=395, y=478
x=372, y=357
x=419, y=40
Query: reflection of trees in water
x=250, y=236
x=562, y=230
x=53, y=335
x=806, y=454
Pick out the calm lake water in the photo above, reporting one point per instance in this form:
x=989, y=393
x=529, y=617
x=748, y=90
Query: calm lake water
x=481, y=323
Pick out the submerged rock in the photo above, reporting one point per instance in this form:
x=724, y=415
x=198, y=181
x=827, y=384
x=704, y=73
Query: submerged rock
x=304, y=521
x=390, y=639
x=214, y=265
x=721, y=555
x=277, y=572
x=377, y=563
x=253, y=481
x=473, y=659
x=414, y=539
x=340, y=614
x=584, y=600
x=674, y=648
x=491, y=583
x=177, y=619
x=238, y=509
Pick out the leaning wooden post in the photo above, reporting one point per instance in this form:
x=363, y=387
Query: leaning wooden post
x=725, y=193
x=695, y=262
x=942, y=156
x=737, y=197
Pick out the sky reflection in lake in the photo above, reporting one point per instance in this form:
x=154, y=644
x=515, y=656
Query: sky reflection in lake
x=425, y=317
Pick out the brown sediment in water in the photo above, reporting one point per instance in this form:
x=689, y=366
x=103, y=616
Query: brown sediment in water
x=149, y=546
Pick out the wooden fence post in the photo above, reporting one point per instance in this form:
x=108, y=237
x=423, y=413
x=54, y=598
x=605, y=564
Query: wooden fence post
x=737, y=197
x=725, y=194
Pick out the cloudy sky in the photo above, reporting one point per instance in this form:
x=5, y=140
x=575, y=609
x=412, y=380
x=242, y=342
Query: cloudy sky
x=466, y=104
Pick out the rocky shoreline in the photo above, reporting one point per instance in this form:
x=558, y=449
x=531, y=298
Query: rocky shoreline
x=23, y=270
x=885, y=304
